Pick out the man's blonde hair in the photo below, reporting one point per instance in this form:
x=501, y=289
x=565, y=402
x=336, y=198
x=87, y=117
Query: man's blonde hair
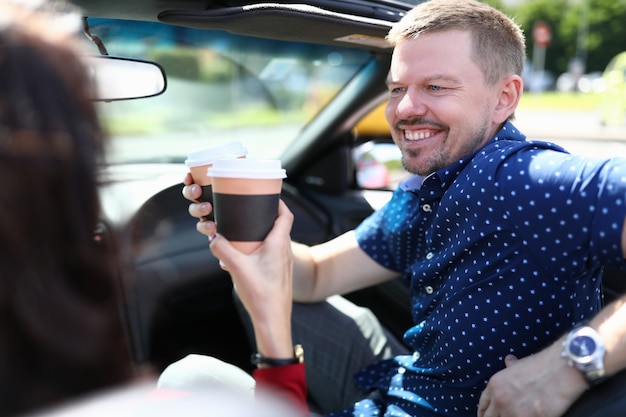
x=497, y=41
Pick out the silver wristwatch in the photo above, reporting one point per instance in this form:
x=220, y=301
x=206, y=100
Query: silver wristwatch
x=584, y=350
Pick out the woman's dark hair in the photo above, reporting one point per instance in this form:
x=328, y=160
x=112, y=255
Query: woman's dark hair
x=61, y=333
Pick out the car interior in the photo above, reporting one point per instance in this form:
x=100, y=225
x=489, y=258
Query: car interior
x=177, y=298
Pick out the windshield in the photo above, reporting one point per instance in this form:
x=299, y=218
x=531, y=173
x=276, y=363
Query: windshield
x=220, y=87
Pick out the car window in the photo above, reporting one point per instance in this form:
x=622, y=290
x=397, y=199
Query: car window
x=221, y=87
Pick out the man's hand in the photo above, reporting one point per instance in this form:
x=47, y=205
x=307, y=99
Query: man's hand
x=198, y=210
x=541, y=385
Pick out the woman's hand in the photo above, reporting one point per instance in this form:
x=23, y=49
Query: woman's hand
x=264, y=282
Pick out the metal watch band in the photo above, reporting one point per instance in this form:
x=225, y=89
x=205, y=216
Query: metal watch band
x=594, y=376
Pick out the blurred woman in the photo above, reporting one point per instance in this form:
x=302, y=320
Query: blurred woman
x=61, y=334
x=60, y=330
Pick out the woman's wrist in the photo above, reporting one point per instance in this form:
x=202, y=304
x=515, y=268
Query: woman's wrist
x=273, y=339
x=296, y=357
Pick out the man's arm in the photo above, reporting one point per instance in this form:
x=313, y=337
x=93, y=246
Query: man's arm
x=338, y=266
x=334, y=267
x=543, y=385
x=611, y=325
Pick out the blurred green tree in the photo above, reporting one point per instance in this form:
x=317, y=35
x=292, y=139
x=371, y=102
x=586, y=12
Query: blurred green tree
x=592, y=30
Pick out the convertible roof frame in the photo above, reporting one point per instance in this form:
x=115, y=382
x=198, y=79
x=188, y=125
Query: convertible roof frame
x=291, y=22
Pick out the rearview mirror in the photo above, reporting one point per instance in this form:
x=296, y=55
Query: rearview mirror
x=124, y=78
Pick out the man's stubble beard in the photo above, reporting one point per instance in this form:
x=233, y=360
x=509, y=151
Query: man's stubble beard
x=440, y=159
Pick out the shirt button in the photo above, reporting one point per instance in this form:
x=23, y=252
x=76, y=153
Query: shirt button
x=416, y=355
x=427, y=208
x=429, y=289
x=401, y=370
x=429, y=255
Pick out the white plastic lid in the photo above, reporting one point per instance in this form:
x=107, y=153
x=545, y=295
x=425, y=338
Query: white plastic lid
x=209, y=155
x=247, y=168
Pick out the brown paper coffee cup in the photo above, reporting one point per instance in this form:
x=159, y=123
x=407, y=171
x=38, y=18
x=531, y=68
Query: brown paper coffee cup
x=245, y=199
x=200, y=160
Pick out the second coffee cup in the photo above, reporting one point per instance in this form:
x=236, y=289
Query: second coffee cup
x=200, y=160
x=245, y=199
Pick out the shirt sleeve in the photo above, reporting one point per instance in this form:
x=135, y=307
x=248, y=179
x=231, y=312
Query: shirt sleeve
x=288, y=381
x=569, y=206
x=386, y=234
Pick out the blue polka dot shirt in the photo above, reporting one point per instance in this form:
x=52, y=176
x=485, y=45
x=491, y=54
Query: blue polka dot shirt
x=502, y=252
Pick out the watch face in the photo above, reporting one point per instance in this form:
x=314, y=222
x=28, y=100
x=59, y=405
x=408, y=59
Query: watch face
x=582, y=346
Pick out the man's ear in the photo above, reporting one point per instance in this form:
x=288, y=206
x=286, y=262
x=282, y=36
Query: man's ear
x=510, y=94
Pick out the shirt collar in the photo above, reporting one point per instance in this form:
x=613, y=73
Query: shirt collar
x=446, y=175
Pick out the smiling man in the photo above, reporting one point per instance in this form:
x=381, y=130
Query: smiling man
x=500, y=240
x=441, y=106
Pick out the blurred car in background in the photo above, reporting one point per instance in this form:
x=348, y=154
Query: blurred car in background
x=613, y=103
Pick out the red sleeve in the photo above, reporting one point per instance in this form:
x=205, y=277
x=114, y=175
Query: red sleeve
x=289, y=380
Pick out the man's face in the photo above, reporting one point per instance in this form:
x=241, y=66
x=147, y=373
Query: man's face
x=440, y=109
